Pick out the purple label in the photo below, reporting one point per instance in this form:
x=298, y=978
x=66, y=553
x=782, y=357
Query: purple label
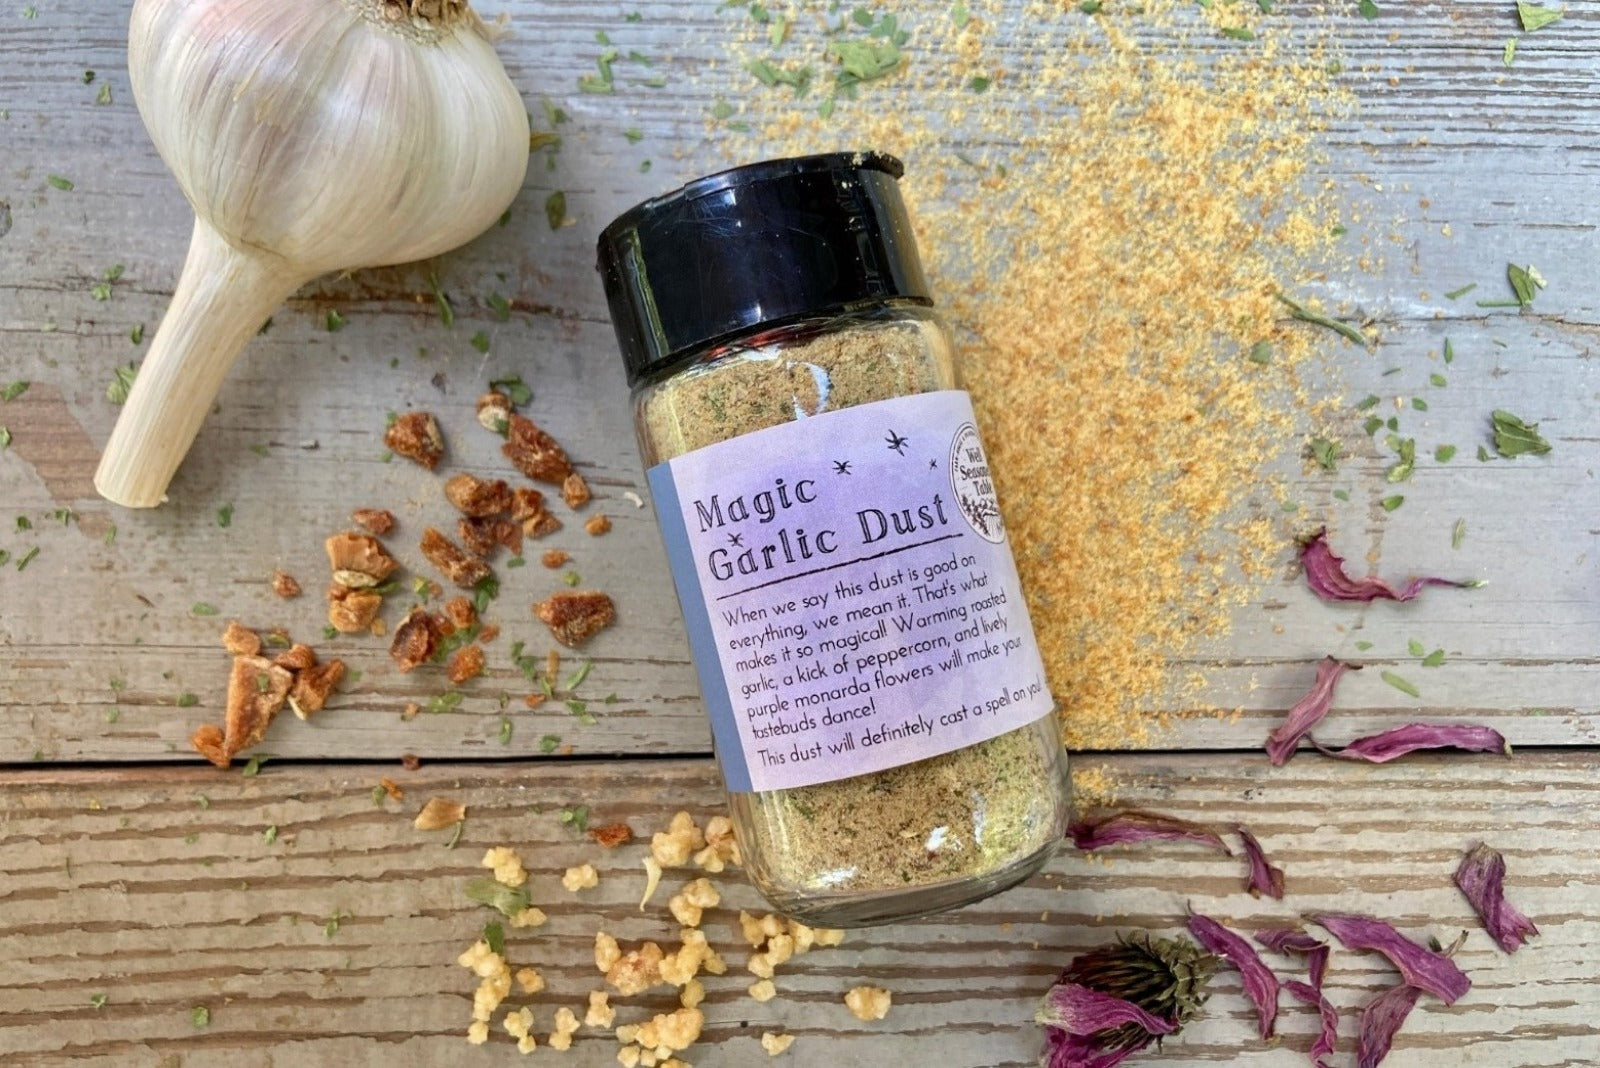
x=849, y=591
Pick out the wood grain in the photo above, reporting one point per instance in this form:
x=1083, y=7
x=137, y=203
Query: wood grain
x=125, y=883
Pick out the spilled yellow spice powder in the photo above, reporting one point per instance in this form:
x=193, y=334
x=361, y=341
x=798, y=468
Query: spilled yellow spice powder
x=1107, y=223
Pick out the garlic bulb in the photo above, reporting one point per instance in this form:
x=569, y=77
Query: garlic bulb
x=310, y=136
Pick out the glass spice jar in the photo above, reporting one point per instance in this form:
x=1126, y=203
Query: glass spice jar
x=877, y=700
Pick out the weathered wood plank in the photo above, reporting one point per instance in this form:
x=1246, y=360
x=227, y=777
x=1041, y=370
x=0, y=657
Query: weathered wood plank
x=120, y=883
x=1455, y=166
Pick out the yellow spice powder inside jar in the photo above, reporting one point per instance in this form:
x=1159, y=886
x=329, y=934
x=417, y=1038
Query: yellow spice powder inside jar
x=877, y=701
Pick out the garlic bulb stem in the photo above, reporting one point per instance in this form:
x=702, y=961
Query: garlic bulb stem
x=224, y=295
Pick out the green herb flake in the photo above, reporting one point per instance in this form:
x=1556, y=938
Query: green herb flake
x=1239, y=33
x=1513, y=437
x=1483, y=455
x=100, y=291
x=1363, y=646
x=97, y=1002
x=1367, y=9
x=27, y=558
x=506, y=727
x=1415, y=648
x=12, y=390
x=1525, y=282
x=571, y=578
x=270, y=835
x=5, y=437
x=136, y=335
x=576, y=678
x=516, y=561
x=1457, y=294
x=1535, y=17
x=334, y=322
x=580, y=709
x=1444, y=453
x=1326, y=453
x=495, y=936
x=122, y=379
x=1419, y=404
x=1391, y=503
x=445, y=702
x=1508, y=54
x=329, y=633
x=378, y=794
x=507, y=900
x=202, y=801
x=1433, y=659
x=1091, y=7
x=201, y=608
x=549, y=743
x=1458, y=533
x=104, y=95
x=1305, y=315
x=500, y=306
x=331, y=927
x=187, y=700
x=113, y=714
x=480, y=341
x=555, y=209
x=447, y=314
x=200, y=1016
x=1369, y=402
x=576, y=817
x=252, y=767
x=63, y=184
x=1404, y=685
x=225, y=515
x=1401, y=471
x=1438, y=380
x=1342, y=494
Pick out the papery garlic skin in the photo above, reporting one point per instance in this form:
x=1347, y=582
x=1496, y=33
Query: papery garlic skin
x=310, y=136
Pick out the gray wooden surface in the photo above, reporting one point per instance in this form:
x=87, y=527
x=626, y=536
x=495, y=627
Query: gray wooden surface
x=1453, y=165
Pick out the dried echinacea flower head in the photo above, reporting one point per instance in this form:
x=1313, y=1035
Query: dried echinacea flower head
x=1164, y=978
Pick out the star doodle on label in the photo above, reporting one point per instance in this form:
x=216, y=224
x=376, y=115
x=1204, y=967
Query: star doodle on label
x=841, y=467
x=897, y=442
x=736, y=540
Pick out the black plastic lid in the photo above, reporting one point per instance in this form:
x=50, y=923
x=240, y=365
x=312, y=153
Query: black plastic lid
x=755, y=247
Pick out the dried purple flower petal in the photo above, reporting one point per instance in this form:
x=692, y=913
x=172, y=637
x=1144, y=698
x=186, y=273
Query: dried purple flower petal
x=1482, y=877
x=1264, y=877
x=1078, y=1010
x=1326, y=576
x=1315, y=949
x=1421, y=968
x=1132, y=825
x=1382, y=748
x=1260, y=985
x=1074, y=1014
x=1166, y=977
x=1380, y=1020
x=1308, y=711
x=1322, y=1048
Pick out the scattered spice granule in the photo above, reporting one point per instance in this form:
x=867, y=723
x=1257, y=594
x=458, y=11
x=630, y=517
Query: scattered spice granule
x=439, y=813
x=611, y=835
x=410, y=761
x=411, y=710
x=461, y=568
x=554, y=558
x=392, y=788
x=868, y=1002
x=583, y=877
x=775, y=1044
x=416, y=436
x=1054, y=220
x=598, y=525
x=574, y=618
x=466, y=664
x=534, y=452
x=378, y=521
x=478, y=497
x=352, y=611
x=284, y=585
x=240, y=640
x=575, y=491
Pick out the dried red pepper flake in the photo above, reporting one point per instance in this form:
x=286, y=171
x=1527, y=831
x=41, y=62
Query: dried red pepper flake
x=1419, y=966
x=1481, y=876
x=1326, y=576
x=1396, y=743
x=1133, y=825
x=1264, y=877
x=1381, y=1020
x=1308, y=711
x=1260, y=984
x=1307, y=994
x=1315, y=949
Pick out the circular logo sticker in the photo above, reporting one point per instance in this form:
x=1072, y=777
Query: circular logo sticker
x=972, y=487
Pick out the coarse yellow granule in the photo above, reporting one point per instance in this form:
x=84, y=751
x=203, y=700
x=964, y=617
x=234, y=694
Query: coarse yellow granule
x=1107, y=225
x=1093, y=787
